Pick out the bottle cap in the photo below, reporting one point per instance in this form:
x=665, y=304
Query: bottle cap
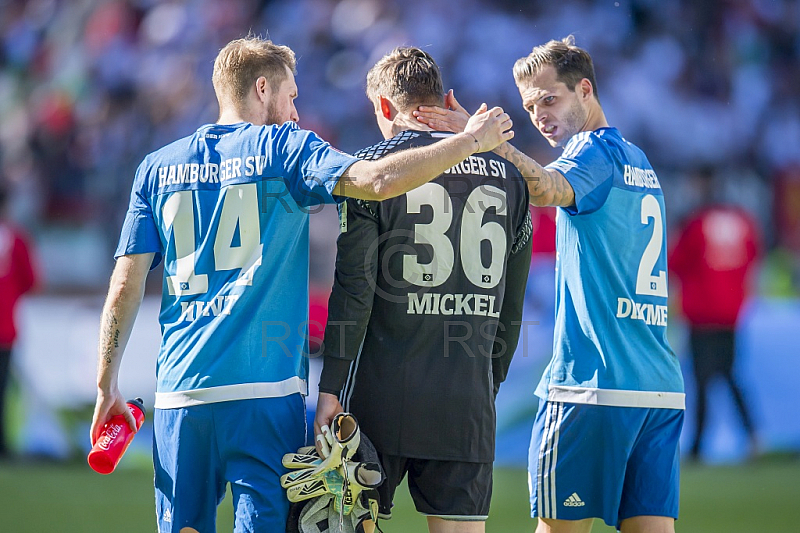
x=138, y=402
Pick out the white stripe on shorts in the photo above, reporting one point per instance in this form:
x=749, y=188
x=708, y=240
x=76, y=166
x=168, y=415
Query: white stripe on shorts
x=548, y=457
x=543, y=502
x=553, y=504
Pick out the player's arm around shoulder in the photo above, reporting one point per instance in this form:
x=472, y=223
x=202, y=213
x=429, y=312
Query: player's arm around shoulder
x=403, y=171
x=547, y=187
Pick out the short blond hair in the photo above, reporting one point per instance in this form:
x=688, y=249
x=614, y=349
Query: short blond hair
x=408, y=76
x=242, y=61
x=572, y=63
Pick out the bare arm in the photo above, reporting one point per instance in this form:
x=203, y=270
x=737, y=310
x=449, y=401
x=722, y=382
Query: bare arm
x=119, y=313
x=546, y=187
x=403, y=171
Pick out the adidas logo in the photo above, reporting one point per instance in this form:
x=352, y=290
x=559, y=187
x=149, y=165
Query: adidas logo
x=167, y=516
x=574, y=501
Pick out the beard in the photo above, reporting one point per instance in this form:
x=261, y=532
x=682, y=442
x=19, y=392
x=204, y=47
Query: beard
x=573, y=122
x=273, y=116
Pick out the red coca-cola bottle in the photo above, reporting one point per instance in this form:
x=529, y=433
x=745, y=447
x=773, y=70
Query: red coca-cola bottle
x=115, y=438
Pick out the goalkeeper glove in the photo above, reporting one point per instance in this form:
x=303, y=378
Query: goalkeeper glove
x=341, y=443
x=306, y=457
x=345, y=483
x=350, y=467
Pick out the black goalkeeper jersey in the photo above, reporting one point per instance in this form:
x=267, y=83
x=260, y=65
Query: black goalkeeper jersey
x=425, y=311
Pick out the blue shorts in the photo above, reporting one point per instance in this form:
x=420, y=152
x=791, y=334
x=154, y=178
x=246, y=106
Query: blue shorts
x=198, y=450
x=597, y=461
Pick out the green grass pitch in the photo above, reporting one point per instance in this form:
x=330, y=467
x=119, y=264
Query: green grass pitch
x=36, y=497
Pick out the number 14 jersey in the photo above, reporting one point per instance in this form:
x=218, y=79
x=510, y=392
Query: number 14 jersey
x=227, y=208
x=610, y=341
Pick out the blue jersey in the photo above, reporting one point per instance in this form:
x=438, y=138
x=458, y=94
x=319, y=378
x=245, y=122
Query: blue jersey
x=610, y=343
x=227, y=209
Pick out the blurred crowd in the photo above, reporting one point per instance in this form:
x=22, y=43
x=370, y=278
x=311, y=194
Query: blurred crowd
x=88, y=87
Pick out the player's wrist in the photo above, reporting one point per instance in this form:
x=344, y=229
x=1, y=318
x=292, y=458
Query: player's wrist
x=472, y=139
x=334, y=374
x=107, y=390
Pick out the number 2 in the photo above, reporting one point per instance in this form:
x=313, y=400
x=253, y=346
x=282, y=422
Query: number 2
x=646, y=282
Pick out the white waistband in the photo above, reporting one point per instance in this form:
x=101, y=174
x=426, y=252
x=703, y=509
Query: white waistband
x=617, y=398
x=226, y=393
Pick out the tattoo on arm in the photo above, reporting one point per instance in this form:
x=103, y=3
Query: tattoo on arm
x=546, y=187
x=109, y=335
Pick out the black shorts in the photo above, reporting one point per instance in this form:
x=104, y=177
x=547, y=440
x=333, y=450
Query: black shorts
x=451, y=490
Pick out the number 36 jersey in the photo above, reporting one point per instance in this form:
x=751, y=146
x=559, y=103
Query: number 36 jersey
x=227, y=208
x=610, y=341
x=426, y=307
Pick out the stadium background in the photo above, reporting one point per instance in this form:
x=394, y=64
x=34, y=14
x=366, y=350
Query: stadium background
x=88, y=87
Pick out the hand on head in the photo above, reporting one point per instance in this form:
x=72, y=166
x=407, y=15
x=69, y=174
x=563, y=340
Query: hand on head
x=489, y=127
x=452, y=117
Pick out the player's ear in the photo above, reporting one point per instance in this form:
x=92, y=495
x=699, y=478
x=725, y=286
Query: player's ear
x=387, y=109
x=262, y=89
x=450, y=100
x=586, y=88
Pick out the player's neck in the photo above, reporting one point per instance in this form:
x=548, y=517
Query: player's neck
x=406, y=121
x=230, y=116
x=596, y=119
x=234, y=114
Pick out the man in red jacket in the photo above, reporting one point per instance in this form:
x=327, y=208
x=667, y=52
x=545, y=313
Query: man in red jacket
x=16, y=278
x=713, y=258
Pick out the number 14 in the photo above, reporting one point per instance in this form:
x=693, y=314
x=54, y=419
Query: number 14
x=239, y=209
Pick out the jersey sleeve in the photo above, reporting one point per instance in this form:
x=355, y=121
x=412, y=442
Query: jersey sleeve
x=139, y=230
x=311, y=166
x=589, y=169
x=510, y=321
x=350, y=303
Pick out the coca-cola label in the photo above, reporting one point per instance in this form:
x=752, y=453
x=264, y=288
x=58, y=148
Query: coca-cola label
x=109, y=435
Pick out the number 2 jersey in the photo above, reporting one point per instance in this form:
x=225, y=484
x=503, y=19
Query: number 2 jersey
x=426, y=306
x=610, y=341
x=227, y=208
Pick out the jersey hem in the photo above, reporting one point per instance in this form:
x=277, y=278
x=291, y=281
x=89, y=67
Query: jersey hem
x=617, y=398
x=227, y=393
